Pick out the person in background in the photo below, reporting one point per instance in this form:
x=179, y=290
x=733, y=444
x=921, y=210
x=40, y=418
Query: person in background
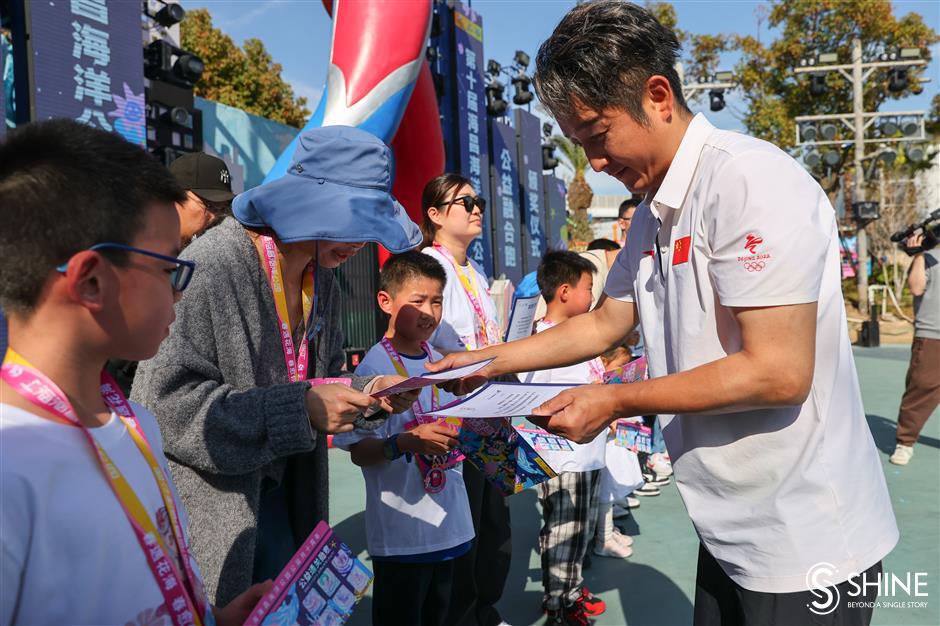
x=625, y=216
x=417, y=515
x=569, y=501
x=453, y=217
x=208, y=185
x=601, y=253
x=94, y=531
x=245, y=387
x=922, y=386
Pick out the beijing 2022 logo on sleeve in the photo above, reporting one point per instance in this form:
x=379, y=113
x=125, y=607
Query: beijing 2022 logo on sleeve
x=755, y=261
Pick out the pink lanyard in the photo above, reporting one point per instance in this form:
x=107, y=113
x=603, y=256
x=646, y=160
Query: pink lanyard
x=400, y=369
x=472, y=291
x=596, y=365
x=185, y=602
x=296, y=368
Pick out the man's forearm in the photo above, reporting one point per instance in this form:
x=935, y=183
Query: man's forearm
x=576, y=340
x=917, y=276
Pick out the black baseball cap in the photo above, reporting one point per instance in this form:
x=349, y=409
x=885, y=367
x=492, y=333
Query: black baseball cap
x=205, y=175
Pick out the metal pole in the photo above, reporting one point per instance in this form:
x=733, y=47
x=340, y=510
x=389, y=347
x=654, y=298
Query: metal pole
x=859, y=178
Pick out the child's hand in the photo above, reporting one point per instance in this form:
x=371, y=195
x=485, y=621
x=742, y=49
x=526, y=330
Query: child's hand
x=399, y=403
x=237, y=611
x=428, y=439
x=333, y=408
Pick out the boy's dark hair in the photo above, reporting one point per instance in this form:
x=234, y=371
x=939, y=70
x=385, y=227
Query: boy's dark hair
x=64, y=187
x=601, y=54
x=603, y=244
x=630, y=203
x=561, y=267
x=409, y=265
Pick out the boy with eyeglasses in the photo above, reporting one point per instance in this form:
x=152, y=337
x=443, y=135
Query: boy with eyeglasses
x=93, y=529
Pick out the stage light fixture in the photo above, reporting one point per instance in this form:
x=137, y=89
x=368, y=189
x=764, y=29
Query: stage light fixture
x=910, y=128
x=495, y=105
x=889, y=128
x=808, y=132
x=817, y=85
x=716, y=99
x=521, y=59
x=171, y=13
x=832, y=157
x=812, y=159
x=898, y=80
x=522, y=94
x=828, y=131
x=915, y=154
x=493, y=68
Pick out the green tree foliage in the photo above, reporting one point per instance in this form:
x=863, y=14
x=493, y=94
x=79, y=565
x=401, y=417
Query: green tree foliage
x=246, y=78
x=775, y=95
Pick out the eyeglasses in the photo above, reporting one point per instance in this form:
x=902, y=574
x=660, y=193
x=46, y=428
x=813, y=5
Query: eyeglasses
x=469, y=202
x=179, y=276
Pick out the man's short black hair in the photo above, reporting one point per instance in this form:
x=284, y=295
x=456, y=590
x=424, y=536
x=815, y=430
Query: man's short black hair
x=64, y=187
x=561, y=267
x=603, y=244
x=601, y=54
x=407, y=266
x=630, y=203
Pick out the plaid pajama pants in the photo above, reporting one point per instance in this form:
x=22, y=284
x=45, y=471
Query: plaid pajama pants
x=569, y=517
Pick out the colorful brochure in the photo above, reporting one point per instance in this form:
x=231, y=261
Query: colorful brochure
x=521, y=318
x=543, y=441
x=426, y=380
x=320, y=585
x=630, y=373
x=503, y=454
x=633, y=436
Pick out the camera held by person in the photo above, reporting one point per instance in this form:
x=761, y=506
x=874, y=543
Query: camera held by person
x=929, y=229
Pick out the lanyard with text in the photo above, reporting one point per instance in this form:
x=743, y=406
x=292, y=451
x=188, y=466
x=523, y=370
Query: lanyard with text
x=296, y=359
x=183, y=596
x=487, y=333
x=432, y=467
x=596, y=365
x=399, y=366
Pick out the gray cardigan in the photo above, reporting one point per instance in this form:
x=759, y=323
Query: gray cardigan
x=228, y=418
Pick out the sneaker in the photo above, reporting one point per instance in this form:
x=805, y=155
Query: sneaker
x=593, y=606
x=625, y=540
x=613, y=549
x=660, y=465
x=653, y=479
x=902, y=455
x=632, y=503
x=647, y=490
x=573, y=615
x=619, y=511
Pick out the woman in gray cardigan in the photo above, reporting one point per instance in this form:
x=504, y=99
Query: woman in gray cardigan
x=243, y=426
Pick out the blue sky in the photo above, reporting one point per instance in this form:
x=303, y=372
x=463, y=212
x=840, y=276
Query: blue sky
x=297, y=34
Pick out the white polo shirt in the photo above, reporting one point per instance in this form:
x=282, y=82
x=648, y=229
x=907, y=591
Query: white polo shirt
x=771, y=492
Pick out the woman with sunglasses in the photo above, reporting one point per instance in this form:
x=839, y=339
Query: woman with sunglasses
x=453, y=218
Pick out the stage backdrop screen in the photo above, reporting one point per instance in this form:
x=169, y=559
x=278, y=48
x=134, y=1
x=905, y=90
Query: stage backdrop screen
x=88, y=64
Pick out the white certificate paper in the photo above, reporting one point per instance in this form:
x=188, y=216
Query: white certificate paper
x=521, y=318
x=502, y=400
x=426, y=380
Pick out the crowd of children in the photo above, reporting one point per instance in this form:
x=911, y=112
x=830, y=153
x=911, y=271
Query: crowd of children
x=91, y=288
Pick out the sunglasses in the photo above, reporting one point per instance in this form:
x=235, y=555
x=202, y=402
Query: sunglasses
x=469, y=202
x=179, y=276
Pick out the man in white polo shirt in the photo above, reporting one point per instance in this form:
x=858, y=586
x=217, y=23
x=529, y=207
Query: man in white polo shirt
x=732, y=266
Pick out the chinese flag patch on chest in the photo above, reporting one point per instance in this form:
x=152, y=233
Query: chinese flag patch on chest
x=681, y=249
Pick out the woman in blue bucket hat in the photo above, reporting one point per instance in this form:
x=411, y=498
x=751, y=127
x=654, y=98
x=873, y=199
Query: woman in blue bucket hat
x=247, y=385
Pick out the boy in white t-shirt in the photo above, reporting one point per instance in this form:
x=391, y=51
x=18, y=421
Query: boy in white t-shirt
x=569, y=501
x=93, y=531
x=417, y=514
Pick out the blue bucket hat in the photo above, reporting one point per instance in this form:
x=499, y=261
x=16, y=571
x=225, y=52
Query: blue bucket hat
x=337, y=188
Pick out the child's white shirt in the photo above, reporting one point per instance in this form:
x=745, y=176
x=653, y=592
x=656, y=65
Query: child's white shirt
x=70, y=555
x=401, y=517
x=584, y=457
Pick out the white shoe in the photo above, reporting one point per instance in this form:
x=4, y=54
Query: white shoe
x=618, y=511
x=902, y=455
x=660, y=465
x=625, y=540
x=613, y=549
